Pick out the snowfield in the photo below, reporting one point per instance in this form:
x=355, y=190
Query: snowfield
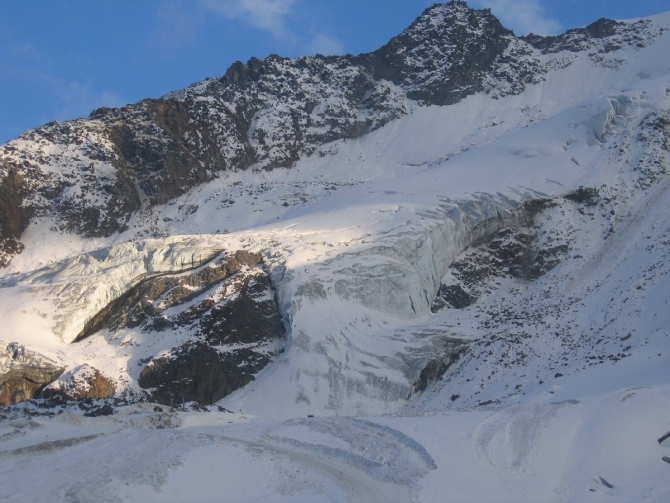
x=558, y=390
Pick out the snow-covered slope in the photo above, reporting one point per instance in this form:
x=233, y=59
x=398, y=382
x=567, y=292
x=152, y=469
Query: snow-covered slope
x=474, y=292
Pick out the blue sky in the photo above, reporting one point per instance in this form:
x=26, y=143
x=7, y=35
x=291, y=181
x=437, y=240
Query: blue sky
x=60, y=59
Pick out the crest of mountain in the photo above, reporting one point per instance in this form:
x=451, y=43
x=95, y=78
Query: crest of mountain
x=89, y=176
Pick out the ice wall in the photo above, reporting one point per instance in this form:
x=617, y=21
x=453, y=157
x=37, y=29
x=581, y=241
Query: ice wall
x=352, y=349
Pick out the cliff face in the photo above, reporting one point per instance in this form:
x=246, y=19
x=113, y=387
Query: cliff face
x=23, y=373
x=227, y=314
x=90, y=175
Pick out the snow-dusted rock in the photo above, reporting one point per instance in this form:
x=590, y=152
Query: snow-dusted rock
x=82, y=382
x=24, y=372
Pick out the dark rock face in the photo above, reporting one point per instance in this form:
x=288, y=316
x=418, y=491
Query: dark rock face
x=90, y=175
x=453, y=296
x=588, y=196
x=105, y=410
x=582, y=39
x=226, y=308
x=514, y=252
x=14, y=218
x=444, y=55
x=452, y=349
x=24, y=373
x=144, y=304
x=199, y=372
x=653, y=164
x=81, y=383
x=233, y=341
x=248, y=318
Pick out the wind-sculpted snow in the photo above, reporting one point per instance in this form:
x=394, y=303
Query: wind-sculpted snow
x=379, y=451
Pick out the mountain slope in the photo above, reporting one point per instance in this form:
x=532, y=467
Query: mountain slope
x=89, y=176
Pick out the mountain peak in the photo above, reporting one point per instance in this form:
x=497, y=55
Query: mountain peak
x=455, y=43
x=453, y=14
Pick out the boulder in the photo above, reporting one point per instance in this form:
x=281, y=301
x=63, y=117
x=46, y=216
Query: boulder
x=82, y=382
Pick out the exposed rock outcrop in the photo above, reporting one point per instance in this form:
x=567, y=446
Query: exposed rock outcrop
x=23, y=373
x=605, y=34
x=81, y=383
x=227, y=311
x=144, y=303
x=447, y=351
x=444, y=55
x=227, y=301
x=517, y=251
x=200, y=372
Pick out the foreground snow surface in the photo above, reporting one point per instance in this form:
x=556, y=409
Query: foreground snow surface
x=597, y=448
x=563, y=394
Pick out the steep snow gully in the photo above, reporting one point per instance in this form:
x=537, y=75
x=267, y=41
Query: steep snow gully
x=351, y=278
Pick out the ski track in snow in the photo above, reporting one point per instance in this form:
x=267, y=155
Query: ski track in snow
x=363, y=488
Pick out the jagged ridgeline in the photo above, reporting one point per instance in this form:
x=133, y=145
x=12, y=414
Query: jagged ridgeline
x=89, y=176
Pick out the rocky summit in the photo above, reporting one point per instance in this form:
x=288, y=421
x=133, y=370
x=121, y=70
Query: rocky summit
x=439, y=268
